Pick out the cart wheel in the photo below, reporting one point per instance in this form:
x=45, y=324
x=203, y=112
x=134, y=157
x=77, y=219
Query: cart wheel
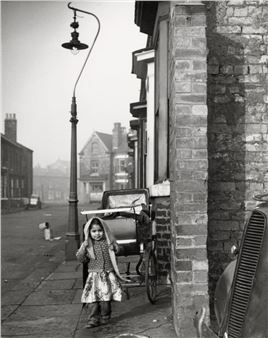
x=151, y=276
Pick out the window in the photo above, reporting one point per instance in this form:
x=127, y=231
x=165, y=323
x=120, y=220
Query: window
x=94, y=167
x=120, y=165
x=17, y=187
x=97, y=187
x=4, y=186
x=12, y=187
x=94, y=148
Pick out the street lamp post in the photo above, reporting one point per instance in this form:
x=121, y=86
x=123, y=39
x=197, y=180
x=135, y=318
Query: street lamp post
x=72, y=240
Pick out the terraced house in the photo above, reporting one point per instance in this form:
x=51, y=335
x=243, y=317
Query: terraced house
x=202, y=136
x=16, y=169
x=104, y=164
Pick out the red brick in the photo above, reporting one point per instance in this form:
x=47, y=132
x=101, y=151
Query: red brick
x=190, y=98
x=199, y=65
x=190, y=230
x=182, y=241
x=184, y=277
x=189, y=10
x=197, y=254
x=199, y=240
x=183, y=265
x=200, y=276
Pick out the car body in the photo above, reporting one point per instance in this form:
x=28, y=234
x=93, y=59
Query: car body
x=241, y=295
x=34, y=202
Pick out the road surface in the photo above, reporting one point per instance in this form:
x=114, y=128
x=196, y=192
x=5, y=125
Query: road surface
x=24, y=249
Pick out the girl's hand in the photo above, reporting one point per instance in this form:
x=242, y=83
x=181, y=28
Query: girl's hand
x=85, y=243
x=81, y=253
x=114, y=247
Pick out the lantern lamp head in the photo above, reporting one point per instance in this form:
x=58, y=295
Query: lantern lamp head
x=74, y=44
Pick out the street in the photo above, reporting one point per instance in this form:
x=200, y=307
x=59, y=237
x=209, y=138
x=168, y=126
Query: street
x=23, y=246
x=41, y=292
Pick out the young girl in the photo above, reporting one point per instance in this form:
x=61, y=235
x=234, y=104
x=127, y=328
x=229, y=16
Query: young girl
x=102, y=284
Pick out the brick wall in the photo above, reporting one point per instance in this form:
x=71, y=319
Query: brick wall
x=237, y=122
x=161, y=205
x=188, y=168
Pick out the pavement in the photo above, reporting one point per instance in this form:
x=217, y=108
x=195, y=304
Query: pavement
x=45, y=306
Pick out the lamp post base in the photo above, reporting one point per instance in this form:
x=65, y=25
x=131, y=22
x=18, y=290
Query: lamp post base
x=72, y=242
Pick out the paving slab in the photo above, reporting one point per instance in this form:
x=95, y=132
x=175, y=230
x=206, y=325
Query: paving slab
x=42, y=311
x=130, y=335
x=65, y=275
x=11, y=271
x=78, y=284
x=14, y=297
x=53, y=309
x=7, y=310
x=77, y=297
x=63, y=326
x=135, y=316
x=56, y=285
x=47, y=297
x=42, y=335
x=34, y=279
x=13, y=284
x=69, y=267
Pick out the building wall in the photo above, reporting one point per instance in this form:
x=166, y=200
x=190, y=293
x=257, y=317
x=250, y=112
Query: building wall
x=52, y=183
x=94, y=151
x=101, y=156
x=113, y=164
x=237, y=122
x=161, y=206
x=121, y=160
x=16, y=175
x=217, y=87
x=52, y=189
x=188, y=163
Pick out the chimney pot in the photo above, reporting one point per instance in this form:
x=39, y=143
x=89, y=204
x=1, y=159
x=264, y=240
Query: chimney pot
x=11, y=127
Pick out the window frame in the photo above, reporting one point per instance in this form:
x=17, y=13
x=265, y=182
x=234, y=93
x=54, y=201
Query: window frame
x=94, y=166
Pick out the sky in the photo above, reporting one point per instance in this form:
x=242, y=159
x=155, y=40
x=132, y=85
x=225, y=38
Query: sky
x=38, y=75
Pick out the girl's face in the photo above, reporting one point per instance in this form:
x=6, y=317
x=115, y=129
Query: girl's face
x=96, y=232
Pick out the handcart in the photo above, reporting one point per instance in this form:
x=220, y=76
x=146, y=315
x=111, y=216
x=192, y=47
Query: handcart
x=128, y=214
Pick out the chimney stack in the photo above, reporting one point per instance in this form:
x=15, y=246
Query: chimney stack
x=116, y=135
x=11, y=127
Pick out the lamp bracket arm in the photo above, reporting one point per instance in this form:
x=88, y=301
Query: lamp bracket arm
x=93, y=43
x=82, y=11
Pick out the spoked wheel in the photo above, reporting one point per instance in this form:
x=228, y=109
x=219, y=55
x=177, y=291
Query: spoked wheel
x=151, y=276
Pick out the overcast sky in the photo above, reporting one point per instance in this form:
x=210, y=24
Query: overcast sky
x=38, y=75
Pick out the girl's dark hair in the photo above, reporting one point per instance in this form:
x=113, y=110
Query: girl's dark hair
x=95, y=221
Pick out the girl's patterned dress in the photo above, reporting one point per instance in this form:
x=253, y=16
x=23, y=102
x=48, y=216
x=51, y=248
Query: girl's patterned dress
x=102, y=283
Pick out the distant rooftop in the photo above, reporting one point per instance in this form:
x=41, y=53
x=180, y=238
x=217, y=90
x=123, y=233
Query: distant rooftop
x=106, y=139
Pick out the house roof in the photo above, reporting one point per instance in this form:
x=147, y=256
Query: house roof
x=4, y=137
x=106, y=139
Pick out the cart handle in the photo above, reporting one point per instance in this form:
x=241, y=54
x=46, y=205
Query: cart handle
x=103, y=211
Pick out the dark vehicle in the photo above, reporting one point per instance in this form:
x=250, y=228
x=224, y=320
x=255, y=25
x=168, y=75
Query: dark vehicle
x=128, y=215
x=241, y=295
x=34, y=202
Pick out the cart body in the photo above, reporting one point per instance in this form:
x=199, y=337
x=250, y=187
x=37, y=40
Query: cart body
x=128, y=227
